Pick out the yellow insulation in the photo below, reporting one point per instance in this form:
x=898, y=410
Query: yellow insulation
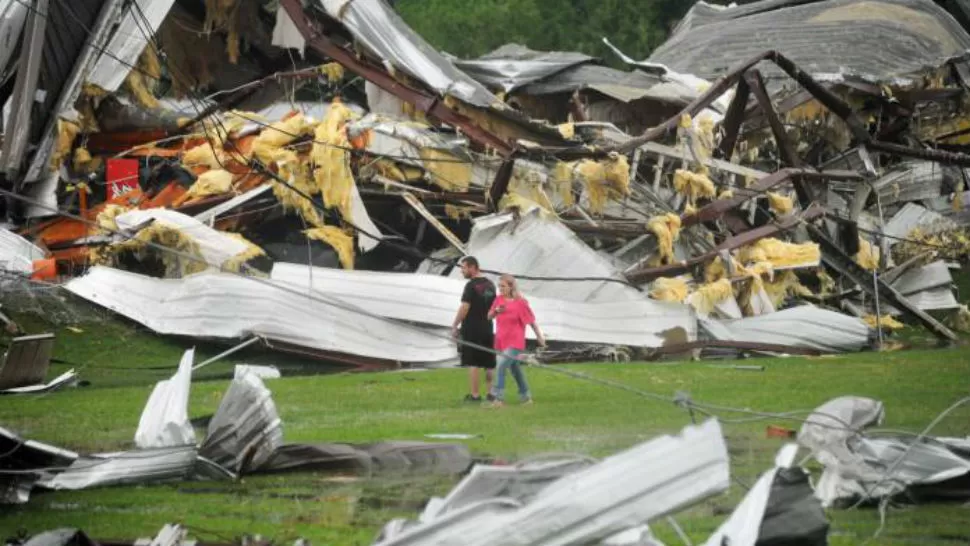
x=330, y=158
x=693, y=185
x=235, y=263
x=295, y=173
x=618, y=174
x=705, y=137
x=562, y=180
x=214, y=182
x=456, y=212
x=669, y=289
x=784, y=285
x=961, y=319
x=204, y=154
x=446, y=170
x=780, y=204
x=516, y=200
x=593, y=175
x=715, y=271
x=567, y=130
x=781, y=254
x=604, y=180
x=176, y=266
x=220, y=15
x=67, y=131
x=887, y=322
x=333, y=71
x=277, y=135
x=667, y=229
x=726, y=194
x=826, y=282
x=868, y=255
x=528, y=187
x=141, y=81
x=341, y=242
x=709, y=295
x=83, y=162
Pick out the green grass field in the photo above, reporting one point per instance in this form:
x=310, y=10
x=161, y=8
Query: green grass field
x=122, y=362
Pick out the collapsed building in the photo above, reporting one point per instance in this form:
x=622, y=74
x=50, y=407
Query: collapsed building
x=292, y=172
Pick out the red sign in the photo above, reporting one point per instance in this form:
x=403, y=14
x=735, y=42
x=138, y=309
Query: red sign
x=121, y=175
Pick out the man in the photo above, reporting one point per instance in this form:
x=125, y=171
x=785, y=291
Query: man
x=473, y=326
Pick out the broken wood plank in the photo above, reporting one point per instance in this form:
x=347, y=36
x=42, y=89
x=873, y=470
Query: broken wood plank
x=434, y=222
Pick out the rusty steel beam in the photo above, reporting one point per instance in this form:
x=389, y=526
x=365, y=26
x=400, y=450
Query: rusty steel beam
x=940, y=156
x=828, y=99
x=431, y=105
x=717, y=208
x=785, y=147
x=733, y=120
x=501, y=184
x=643, y=276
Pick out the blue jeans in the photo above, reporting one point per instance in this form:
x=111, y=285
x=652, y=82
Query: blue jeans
x=509, y=361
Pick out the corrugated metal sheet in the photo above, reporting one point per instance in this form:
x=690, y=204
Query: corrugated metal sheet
x=141, y=19
x=13, y=17
x=872, y=39
x=17, y=254
x=928, y=277
x=637, y=322
x=512, y=65
x=805, y=326
x=128, y=467
x=538, y=246
x=913, y=216
x=165, y=420
x=217, y=305
x=77, y=32
x=17, y=128
x=623, y=86
x=910, y=181
x=376, y=26
x=621, y=492
x=246, y=429
x=930, y=300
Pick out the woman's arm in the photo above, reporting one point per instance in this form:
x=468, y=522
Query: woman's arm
x=496, y=308
x=539, y=336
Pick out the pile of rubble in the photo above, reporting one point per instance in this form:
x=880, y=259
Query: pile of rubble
x=716, y=196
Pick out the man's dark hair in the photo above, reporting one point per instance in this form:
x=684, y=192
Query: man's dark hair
x=470, y=260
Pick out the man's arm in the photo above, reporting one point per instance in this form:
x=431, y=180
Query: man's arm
x=459, y=318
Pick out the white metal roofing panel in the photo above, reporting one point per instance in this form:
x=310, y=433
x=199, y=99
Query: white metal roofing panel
x=16, y=253
x=804, y=326
x=637, y=322
x=141, y=19
x=928, y=277
x=539, y=246
x=218, y=305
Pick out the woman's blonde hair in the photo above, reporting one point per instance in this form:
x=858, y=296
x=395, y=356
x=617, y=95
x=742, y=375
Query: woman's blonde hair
x=512, y=284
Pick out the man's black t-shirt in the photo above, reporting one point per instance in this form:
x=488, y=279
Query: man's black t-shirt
x=478, y=294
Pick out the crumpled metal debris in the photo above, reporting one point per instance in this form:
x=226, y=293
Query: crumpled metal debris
x=621, y=492
x=870, y=467
x=165, y=420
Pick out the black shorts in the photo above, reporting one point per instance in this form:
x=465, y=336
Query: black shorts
x=472, y=357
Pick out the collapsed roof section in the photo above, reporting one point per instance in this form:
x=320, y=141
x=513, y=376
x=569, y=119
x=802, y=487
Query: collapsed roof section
x=873, y=40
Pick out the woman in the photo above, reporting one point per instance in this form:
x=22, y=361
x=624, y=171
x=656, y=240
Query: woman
x=512, y=314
